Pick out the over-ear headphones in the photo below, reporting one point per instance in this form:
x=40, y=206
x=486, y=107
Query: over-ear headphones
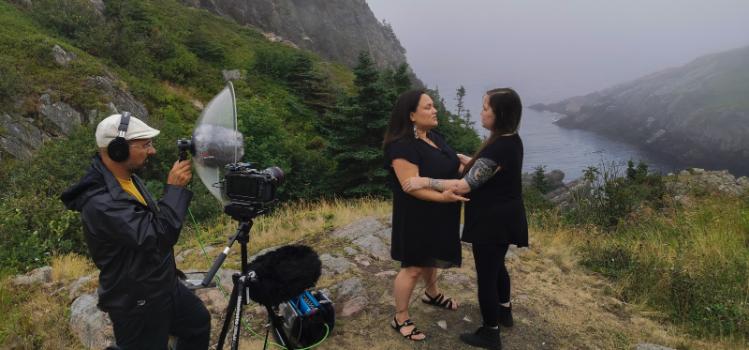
x=118, y=149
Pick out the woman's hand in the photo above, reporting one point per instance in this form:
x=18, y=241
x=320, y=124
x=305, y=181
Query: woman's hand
x=449, y=196
x=464, y=159
x=415, y=183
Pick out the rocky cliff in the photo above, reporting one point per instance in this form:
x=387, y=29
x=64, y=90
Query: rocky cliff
x=697, y=113
x=335, y=29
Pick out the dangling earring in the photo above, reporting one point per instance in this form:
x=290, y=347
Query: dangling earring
x=416, y=134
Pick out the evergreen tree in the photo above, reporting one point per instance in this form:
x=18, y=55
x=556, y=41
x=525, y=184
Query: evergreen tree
x=459, y=135
x=539, y=179
x=356, y=130
x=459, y=105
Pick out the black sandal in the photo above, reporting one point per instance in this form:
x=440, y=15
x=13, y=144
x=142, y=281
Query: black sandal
x=406, y=323
x=439, y=301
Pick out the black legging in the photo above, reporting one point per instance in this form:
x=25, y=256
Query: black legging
x=493, y=280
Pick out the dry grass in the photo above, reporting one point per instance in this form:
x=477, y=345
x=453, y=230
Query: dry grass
x=33, y=318
x=288, y=223
x=70, y=267
x=558, y=304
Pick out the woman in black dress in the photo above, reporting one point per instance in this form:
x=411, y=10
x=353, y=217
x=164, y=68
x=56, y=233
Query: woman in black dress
x=426, y=223
x=495, y=216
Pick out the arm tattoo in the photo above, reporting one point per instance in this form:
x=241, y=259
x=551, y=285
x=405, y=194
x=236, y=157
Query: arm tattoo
x=436, y=185
x=480, y=172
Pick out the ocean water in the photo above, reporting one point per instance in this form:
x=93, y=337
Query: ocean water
x=573, y=150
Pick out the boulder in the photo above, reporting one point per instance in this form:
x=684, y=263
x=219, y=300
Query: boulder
x=59, y=114
x=335, y=265
x=120, y=99
x=92, y=326
x=62, y=57
x=37, y=276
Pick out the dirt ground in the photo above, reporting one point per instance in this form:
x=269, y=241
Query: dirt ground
x=556, y=303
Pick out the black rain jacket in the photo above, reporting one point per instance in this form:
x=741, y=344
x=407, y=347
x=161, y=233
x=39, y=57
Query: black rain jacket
x=130, y=243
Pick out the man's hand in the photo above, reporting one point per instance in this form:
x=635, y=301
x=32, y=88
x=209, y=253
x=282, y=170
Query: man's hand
x=181, y=173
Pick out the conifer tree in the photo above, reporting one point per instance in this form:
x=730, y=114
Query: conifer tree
x=356, y=132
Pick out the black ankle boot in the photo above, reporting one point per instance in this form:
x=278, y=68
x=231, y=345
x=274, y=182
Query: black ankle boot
x=505, y=316
x=484, y=337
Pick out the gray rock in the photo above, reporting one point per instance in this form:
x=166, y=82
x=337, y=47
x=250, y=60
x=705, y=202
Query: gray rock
x=99, y=6
x=92, y=326
x=76, y=288
x=364, y=227
x=354, y=306
x=230, y=75
x=36, y=276
x=648, y=346
x=374, y=246
x=350, y=288
x=63, y=117
x=180, y=258
x=353, y=294
x=225, y=278
x=362, y=260
x=62, y=57
x=350, y=251
x=334, y=29
x=456, y=279
x=385, y=235
x=335, y=265
x=19, y=136
x=121, y=100
x=369, y=234
x=555, y=178
x=442, y=324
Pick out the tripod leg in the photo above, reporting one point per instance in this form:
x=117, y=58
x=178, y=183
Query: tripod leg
x=238, y=314
x=229, y=312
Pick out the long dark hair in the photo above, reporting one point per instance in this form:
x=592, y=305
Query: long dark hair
x=400, y=118
x=507, y=108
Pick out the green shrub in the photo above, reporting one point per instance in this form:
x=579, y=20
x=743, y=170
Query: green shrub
x=692, y=264
x=609, y=198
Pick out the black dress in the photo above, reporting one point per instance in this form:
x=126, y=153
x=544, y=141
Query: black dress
x=495, y=213
x=425, y=234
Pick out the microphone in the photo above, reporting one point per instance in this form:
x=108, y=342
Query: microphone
x=283, y=273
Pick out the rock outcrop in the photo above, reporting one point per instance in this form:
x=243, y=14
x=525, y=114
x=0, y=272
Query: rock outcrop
x=335, y=29
x=21, y=135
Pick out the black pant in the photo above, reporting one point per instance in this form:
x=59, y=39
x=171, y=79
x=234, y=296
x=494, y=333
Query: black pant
x=181, y=314
x=493, y=280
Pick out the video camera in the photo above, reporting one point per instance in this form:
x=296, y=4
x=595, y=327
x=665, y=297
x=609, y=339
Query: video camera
x=280, y=279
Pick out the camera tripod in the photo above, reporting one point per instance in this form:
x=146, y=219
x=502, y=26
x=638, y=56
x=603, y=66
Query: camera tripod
x=240, y=294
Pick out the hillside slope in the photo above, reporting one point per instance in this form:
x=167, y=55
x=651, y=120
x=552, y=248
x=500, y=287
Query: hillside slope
x=697, y=113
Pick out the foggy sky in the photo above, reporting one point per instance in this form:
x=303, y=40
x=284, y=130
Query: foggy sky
x=549, y=50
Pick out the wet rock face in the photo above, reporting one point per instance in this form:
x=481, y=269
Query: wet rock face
x=334, y=29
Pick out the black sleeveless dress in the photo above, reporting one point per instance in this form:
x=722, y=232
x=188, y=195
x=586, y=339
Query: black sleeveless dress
x=425, y=234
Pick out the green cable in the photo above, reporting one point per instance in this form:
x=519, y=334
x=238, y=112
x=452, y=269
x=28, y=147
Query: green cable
x=226, y=295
